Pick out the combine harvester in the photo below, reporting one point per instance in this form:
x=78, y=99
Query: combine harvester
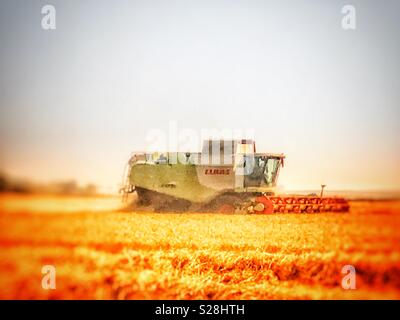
x=227, y=176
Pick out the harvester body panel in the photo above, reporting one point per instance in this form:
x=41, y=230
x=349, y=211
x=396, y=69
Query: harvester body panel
x=199, y=177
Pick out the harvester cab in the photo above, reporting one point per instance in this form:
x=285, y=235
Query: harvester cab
x=256, y=170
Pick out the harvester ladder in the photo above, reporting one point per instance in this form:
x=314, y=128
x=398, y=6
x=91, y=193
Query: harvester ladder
x=127, y=188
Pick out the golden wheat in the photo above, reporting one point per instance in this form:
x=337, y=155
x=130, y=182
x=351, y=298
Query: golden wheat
x=116, y=255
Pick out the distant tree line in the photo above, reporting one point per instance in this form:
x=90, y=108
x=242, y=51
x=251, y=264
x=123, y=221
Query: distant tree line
x=69, y=187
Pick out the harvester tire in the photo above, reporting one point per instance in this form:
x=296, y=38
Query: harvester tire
x=223, y=204
x=267, y=203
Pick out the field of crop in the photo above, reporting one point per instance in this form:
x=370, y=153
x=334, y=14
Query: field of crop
x=100, y=253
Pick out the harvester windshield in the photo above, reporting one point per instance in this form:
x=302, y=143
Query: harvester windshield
x=271, y=171
x=261, y=170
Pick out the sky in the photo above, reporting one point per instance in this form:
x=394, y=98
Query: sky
x=77, y=100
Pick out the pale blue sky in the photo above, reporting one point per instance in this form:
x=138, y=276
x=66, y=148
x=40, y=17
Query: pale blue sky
x=77, y=100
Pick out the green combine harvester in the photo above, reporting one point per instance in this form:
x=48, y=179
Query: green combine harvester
x=227, y=176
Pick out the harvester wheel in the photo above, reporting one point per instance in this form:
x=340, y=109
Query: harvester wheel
x=259, y=207
x=144, y=197
x=267, y=203
x=226, y=208
x=223, y=204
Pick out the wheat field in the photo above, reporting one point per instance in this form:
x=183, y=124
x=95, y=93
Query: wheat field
x=102, y=253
